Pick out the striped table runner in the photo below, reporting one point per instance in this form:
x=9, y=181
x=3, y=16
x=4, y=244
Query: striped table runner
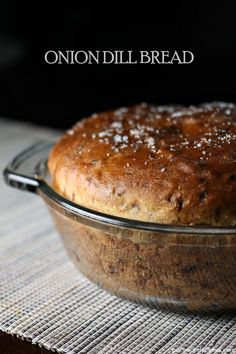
x=45, y=300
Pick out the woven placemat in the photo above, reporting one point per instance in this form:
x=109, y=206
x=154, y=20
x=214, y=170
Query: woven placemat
x=46, y=301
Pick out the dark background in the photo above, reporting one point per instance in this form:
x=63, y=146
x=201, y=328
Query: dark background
x=59, y=95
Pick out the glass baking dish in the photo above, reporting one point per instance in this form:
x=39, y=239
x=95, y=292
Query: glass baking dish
x=181, y=268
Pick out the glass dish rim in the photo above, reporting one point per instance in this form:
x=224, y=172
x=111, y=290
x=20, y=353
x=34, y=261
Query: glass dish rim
x=36, y=182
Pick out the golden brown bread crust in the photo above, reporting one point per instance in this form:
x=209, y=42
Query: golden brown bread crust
x=173, y=165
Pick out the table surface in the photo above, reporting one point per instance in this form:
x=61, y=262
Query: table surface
x=45, y=300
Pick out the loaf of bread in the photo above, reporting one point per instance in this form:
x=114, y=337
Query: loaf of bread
x=164, y=164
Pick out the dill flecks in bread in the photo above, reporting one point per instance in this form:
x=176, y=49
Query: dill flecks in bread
x=165, y=164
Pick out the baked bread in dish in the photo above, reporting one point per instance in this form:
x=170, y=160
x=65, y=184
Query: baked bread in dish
x=164, y=164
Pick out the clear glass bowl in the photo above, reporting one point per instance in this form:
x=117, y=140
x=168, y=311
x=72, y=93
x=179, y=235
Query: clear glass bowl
x=163, y=266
